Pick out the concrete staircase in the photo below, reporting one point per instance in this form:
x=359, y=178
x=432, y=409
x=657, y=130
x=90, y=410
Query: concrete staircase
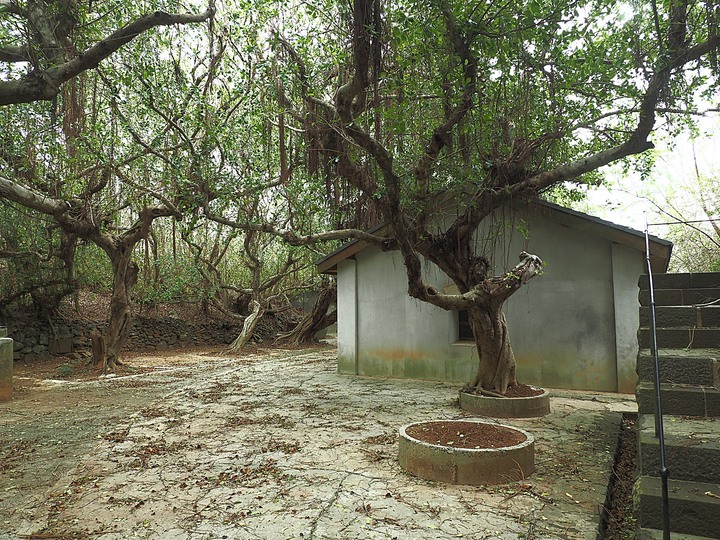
x=687, y=309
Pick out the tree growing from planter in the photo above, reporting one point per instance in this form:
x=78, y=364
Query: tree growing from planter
x=483, y=104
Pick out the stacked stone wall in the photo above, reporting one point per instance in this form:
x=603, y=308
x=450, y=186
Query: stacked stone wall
x=36, y=339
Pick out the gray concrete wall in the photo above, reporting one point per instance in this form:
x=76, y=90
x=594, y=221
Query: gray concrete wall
x=628, y=265
x=347, y=298
x=563, y=324
x=397, y=335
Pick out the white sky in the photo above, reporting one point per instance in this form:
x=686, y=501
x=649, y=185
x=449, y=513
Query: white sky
x=625, y=198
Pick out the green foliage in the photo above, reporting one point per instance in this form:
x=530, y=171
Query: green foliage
x=93, y=268
x=219, y=115
x=178, y=281
x=65, y=370
x=696, y=203
x=29, y=260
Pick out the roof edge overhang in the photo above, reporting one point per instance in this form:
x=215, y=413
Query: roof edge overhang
x=328, y=264
x=660, y=249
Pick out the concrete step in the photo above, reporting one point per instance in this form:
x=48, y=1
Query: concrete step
x=656, y=534
x=701, y=280
x=692, y=448
x=700, y=367
x=692, y=510
x=681, y=338
x=681, y=297
x=680, y=400
x=687, y=316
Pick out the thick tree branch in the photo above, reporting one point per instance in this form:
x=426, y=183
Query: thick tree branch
x=485, y=201
x=11, y=54
x=440, y=135
x=9, y=6
x=141, y=227
x=493, y=291
x=346, y=96
x=45, y=85
x=31, y=198
x=291, y=237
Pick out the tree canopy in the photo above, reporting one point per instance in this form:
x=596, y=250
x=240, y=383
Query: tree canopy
x=314, y=121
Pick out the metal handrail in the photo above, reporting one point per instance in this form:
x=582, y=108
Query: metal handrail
x=659, y=429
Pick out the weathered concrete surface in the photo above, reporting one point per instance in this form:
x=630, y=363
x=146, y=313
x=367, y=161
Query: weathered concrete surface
x=519, y=407
x=573, y=327
x=680, y=400
x=280, y=445
x=692, y=510
x=468, y=466
x=692, y=448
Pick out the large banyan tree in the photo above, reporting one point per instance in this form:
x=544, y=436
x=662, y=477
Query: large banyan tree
x=483, y=103
x=62, y=157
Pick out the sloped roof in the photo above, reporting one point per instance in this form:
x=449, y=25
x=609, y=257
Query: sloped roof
x=660, y=249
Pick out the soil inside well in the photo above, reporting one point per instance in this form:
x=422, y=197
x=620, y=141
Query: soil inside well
x=465, y=434
x=518, y=390
x=523, y=390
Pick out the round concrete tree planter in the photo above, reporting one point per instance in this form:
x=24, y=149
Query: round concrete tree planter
x=469, y=466
x=514, y=407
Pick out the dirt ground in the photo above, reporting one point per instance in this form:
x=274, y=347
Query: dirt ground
x=273, y=445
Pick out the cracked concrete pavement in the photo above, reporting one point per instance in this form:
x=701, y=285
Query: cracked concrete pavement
x=278, y=445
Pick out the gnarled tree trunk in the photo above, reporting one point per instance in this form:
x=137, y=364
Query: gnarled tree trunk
x=125, y=275
x=496, y=367
x=119, y=250
x=483, y=297
x=318, y=319
x=248, y=328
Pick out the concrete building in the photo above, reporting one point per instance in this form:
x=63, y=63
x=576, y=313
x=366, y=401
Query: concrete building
x=575, y=326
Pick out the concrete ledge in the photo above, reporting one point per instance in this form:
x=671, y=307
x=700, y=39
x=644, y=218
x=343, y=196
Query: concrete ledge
x=6, y=368
x=680, y=297
x=656, y=534
x=685, y=316
x=680, y=369
x=691, y=510
x=517, y=407
x=467, y=466
x=681, y=338
x=679, y=400
x=692, y=448
x=702, y=280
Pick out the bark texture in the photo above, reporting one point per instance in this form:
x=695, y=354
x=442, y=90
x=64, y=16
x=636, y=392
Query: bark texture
x=82, y=218
x=248, y=328
x=318, y=319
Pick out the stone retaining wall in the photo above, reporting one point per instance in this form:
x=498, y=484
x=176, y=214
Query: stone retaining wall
x=38, y=339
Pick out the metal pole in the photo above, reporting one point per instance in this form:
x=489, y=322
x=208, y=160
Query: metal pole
x=659, y=429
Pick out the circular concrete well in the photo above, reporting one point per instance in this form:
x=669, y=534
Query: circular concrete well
x=436, y=451
x=514, y=407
